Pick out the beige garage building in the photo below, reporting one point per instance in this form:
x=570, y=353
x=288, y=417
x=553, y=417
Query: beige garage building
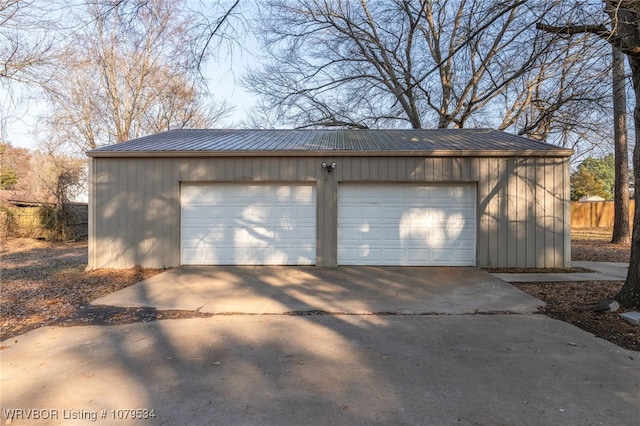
x=464, y=197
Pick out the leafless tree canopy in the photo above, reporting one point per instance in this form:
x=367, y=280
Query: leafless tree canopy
x=386, y=63
x=128, y=74
x=24, y=48
x=112, y=70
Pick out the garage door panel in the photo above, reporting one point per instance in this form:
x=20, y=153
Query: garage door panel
x=395, y=224
x=240, y=224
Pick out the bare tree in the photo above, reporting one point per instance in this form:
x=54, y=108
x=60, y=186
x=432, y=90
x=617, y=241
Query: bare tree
x=128, y=74
x=25, y=49
x=419, y=64
x=564, y=98
x=621, y=229
x=619, y=26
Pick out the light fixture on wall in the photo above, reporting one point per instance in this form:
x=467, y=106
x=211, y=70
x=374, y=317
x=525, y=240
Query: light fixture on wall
x=329, y=167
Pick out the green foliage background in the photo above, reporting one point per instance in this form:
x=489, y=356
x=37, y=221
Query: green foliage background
x=594, y=177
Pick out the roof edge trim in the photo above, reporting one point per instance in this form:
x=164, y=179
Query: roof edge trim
x=559, y=152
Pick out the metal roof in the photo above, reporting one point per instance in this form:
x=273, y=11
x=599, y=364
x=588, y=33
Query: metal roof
x=245, y=142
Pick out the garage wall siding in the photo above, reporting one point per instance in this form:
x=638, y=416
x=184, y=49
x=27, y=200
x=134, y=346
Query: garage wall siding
x=523, y=202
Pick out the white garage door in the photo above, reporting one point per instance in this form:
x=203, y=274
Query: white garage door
x=398, y=224
x=248, y=224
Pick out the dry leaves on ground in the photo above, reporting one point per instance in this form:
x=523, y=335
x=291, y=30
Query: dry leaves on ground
x=573, y=302
x=46, y=283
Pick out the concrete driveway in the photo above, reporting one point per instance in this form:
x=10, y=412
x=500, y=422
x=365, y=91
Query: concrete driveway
x=350, y=290
x=348, y=368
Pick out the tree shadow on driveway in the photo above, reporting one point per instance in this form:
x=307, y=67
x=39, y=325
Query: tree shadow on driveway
x=326, y=369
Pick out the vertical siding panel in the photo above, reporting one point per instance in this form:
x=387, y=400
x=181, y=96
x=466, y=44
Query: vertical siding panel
x=358, y=171
x=559, y=203
x=106, y=234
x=471, y=173
x=469, y=167
x=540, y=213
x=313, y=169
x=437, y=169
x=365, y=166
x=222, y=168
x=550, y=207
x=171, y=243
x=447, y=169
x=401, y=168
x=239, y=173
x=550, y=213
x=161, y=211
x=247, y=171
x=197, y=169
x=456, y=172
x=392, y=169
x=418, y=171
x=91, y=211
x=495, y=221
x=125, y=200
x=349, y=169
x=566, y=213
x=112, y=230
x=327, y=219
x=143, y=172
x=483, y=243
x=277, y=169
x=296, y=170
x=405, y=166
x=521, y=218
x=502, y=208
x=138, y=197
x=281, y=166
x=386, y=169
x=512, y=213
x=428, y=169
x=378, y=171
x=530, y=243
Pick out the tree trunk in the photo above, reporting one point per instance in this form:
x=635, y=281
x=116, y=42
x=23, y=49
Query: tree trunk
x=621, y=229
x=629, y=295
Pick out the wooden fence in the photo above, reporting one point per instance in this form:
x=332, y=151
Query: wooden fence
x=595, y=214
x=27, y=222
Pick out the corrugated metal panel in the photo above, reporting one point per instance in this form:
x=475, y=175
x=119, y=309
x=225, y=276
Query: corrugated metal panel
x=338, y=141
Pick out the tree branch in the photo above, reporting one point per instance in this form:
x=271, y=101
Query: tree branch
x=616, y=38
x=599, y=30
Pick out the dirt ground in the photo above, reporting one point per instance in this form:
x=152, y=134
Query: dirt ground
x=45, y=283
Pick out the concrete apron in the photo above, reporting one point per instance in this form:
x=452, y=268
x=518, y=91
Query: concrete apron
x=350, y=290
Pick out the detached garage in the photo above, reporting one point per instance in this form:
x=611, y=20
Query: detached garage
x=464, y=197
